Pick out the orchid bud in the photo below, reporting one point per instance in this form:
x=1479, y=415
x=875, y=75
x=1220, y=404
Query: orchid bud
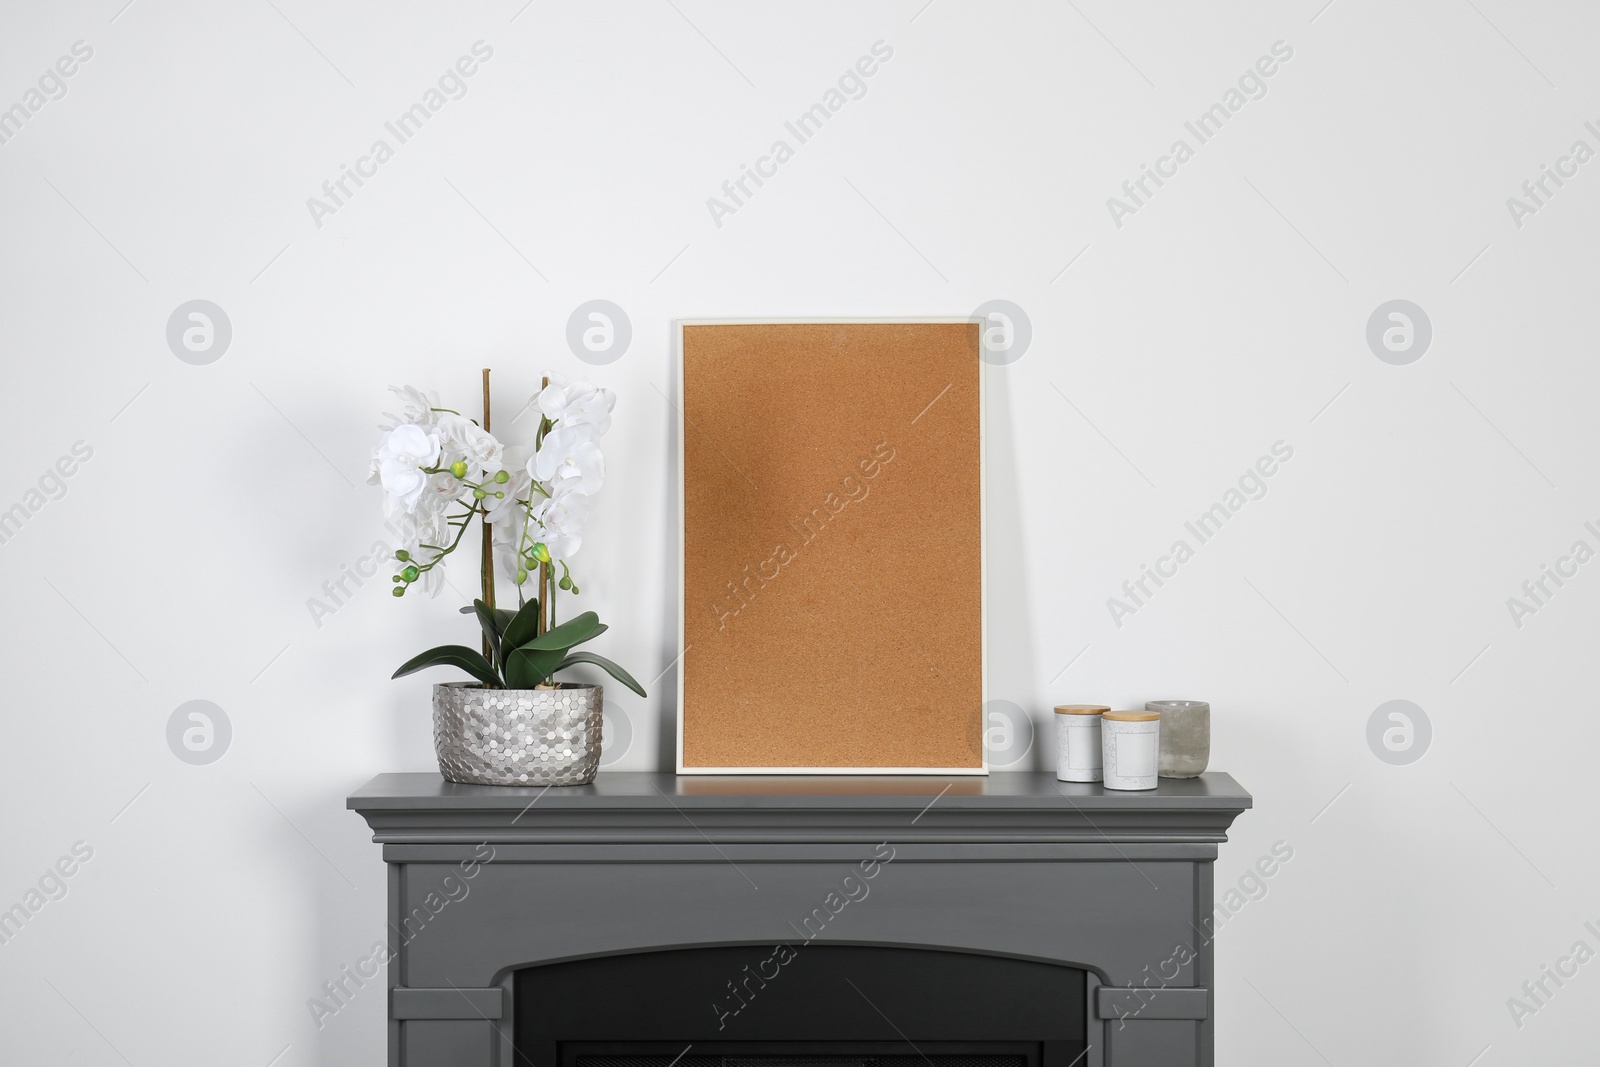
x=502, y=477
x=398, y=590
x=402, y=555
x=459, y=468
x=522, y=575
x=410, y=574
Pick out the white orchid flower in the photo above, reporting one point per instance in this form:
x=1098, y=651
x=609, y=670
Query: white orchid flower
x=508, y=545
x=437, y=466
x=400, y=455
x=507, y=510
x=444, y=489
x=426, y=526
x=416, y=407
x=465, y=440
x=569, y=462
x=577, y=404
x=560, y=520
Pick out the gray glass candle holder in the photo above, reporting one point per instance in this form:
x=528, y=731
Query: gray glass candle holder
x=1185, y=736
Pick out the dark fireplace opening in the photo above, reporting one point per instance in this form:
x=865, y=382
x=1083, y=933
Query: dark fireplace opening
x=800, y=1004
x=818, y=1054
x=814, y=1054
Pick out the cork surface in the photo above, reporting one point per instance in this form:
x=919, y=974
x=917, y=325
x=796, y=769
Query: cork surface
x=832, y=543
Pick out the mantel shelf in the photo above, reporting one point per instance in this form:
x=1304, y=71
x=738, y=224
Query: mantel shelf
x=417, y=808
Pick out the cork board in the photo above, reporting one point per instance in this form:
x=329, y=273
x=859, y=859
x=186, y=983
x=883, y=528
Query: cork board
x=832, y=582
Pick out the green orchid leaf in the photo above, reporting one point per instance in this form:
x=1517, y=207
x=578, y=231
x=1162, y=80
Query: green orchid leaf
x=574, y=631
x=604, y=664
x=502, y=616
x=467, y=659
x=528, y=667
x=591, y=635
x=491, y=630
x=522, y=628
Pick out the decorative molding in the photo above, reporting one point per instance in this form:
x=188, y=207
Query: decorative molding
x=407, y=1003
x=639, y=808
x=1161, y=1002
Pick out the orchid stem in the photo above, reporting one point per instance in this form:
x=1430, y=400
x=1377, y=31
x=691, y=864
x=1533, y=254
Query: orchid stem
x=488, y=535
x=546, y=616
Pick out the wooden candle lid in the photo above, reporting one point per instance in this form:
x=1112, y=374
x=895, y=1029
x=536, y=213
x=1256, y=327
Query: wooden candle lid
x=1082, y=709
x=1133, y=716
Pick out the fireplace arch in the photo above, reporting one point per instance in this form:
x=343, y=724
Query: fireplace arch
x=830, y=1002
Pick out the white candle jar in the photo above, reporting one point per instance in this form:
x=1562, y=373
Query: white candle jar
x=1131, y=746
x=1078, y=745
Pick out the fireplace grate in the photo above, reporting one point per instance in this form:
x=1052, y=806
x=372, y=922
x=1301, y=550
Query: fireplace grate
x=803, y=1060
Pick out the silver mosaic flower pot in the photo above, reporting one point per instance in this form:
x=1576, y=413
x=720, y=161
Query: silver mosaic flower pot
x=517, y=736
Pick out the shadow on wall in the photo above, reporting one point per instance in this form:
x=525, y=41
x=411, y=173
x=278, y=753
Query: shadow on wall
x=666, y=686
x=1018, y=737
x=342, y=984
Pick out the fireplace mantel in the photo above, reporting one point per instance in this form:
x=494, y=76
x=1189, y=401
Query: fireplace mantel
x=485, y=881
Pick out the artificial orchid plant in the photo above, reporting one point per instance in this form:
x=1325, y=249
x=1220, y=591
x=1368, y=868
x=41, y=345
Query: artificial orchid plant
x=441, y=471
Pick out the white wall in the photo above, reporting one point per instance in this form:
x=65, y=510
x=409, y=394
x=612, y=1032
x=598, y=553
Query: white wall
x=1228, y=313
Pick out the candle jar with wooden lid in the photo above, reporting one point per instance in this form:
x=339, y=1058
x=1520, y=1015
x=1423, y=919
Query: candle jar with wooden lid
x=1131, y=747
x=1078, y=746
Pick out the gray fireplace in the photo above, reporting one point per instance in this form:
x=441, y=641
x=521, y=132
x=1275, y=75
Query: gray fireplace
x=650, y=920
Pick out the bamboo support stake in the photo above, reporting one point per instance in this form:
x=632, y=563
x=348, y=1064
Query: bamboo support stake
x=488, y=532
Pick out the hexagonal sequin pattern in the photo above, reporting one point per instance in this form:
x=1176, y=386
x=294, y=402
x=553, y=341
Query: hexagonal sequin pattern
x=517, y=736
